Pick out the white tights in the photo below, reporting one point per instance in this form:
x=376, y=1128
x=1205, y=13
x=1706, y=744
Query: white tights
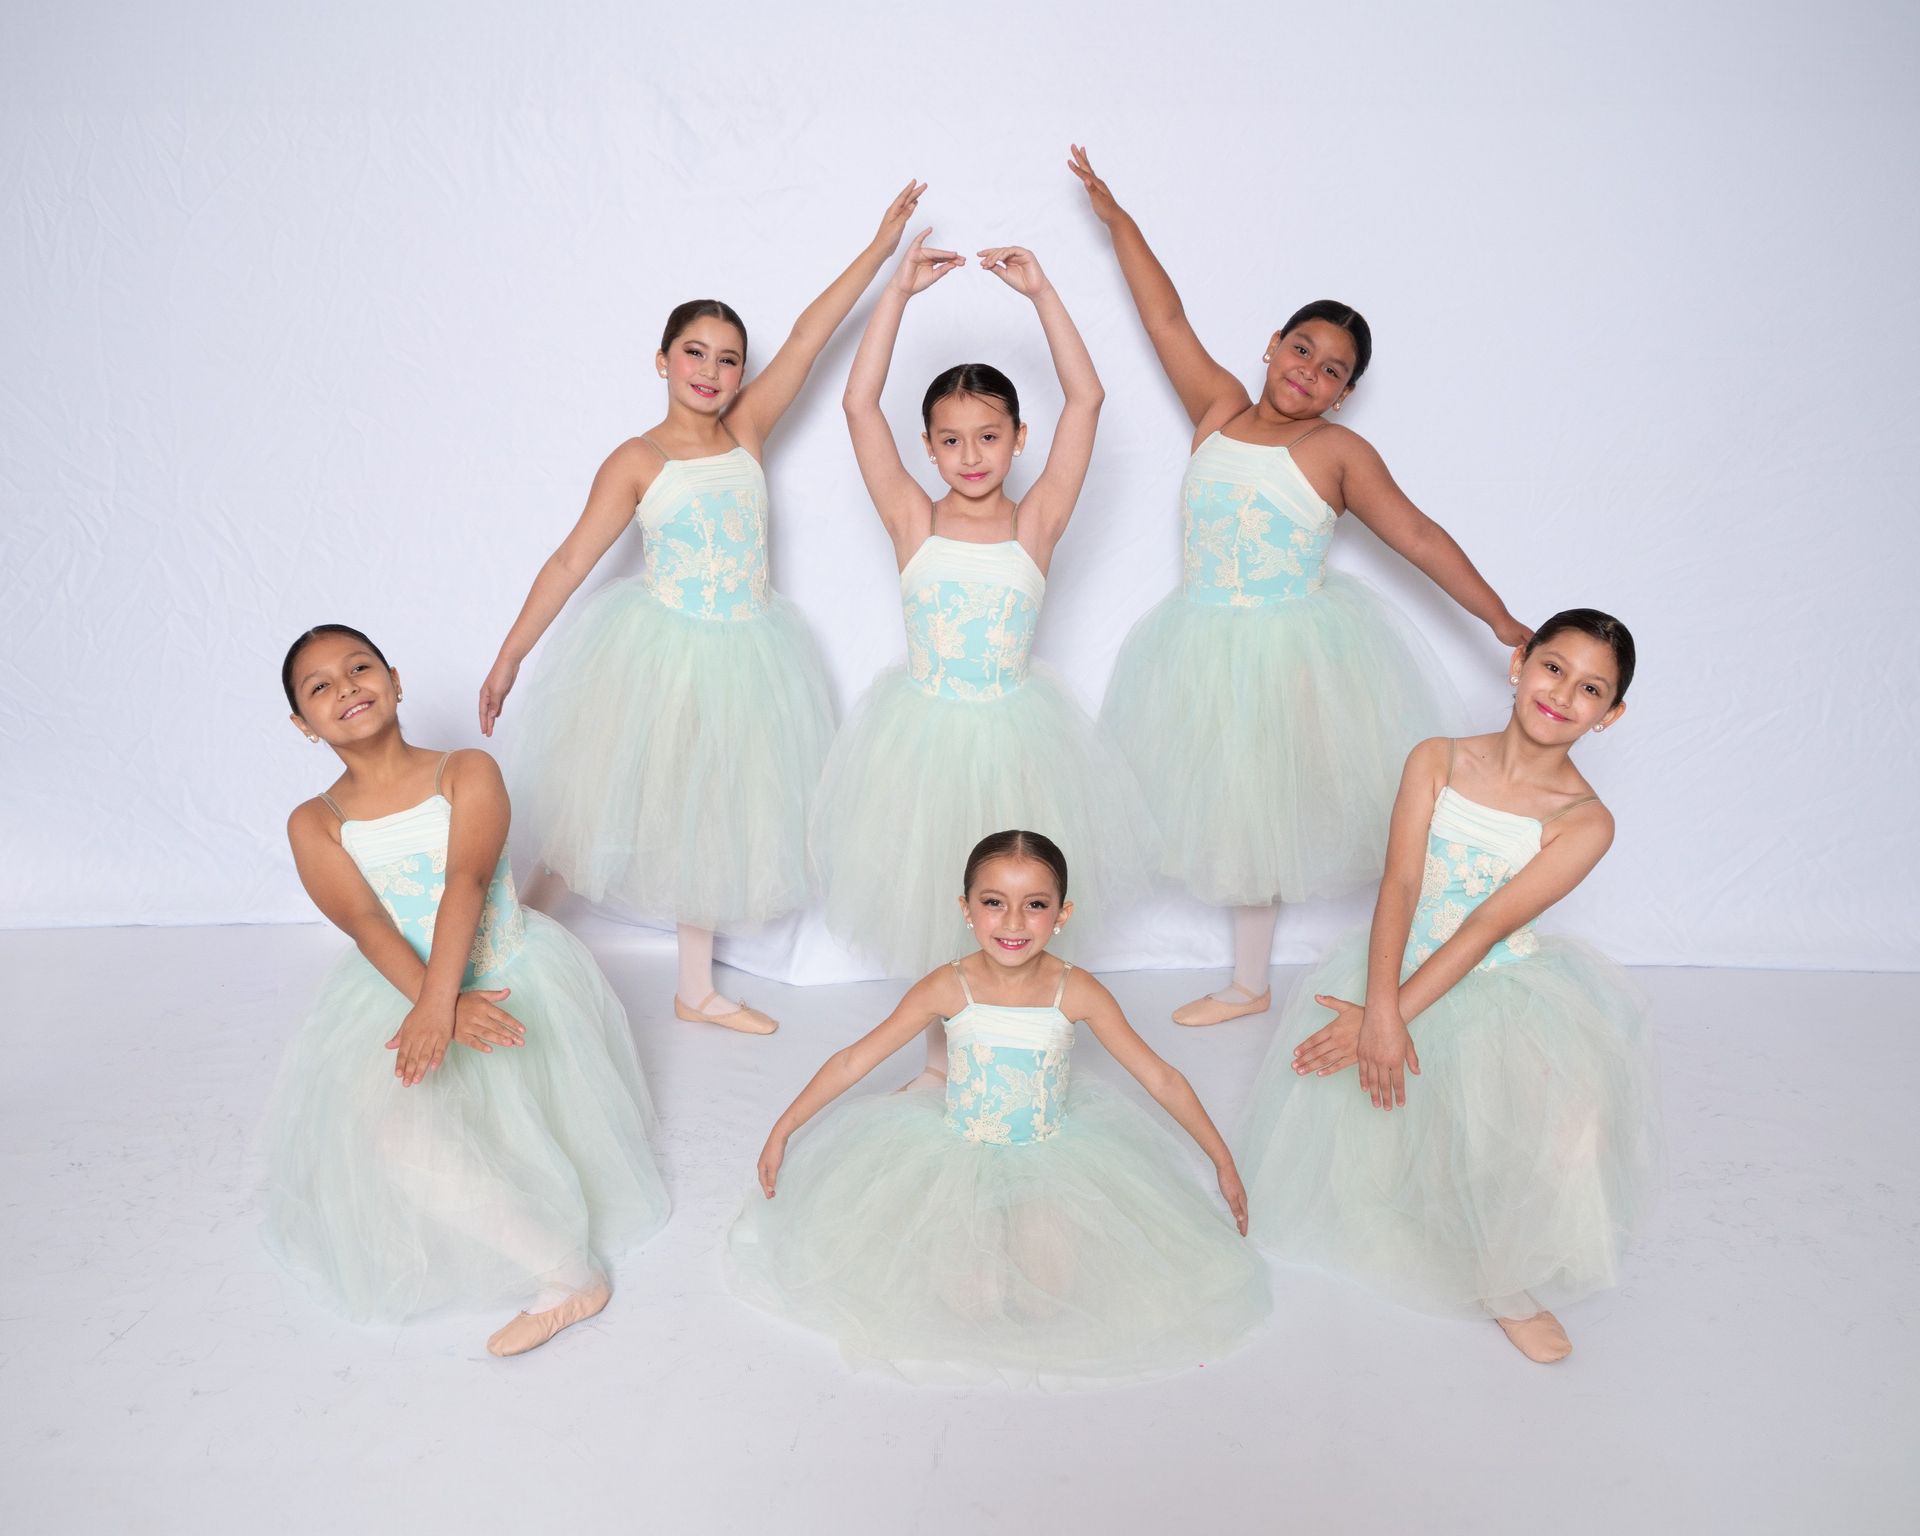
x=1253, y=949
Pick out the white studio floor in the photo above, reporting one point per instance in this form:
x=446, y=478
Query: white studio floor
x=1759, y=1372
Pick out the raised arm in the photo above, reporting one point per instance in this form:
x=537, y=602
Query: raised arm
x=1049, y=501
x=473, y=784
x=1087, y=999
x=765, y=398
x=897, y=496
x=1210, y=394
x=1372, y=496
x=617, y=489
x=932, y=997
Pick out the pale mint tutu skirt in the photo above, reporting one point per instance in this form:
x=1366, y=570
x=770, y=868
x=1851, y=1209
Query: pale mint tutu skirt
x=496, y=1181
x=667, y=763
x=1524, y=1161
x=914, y=781
x=1092, y=1256
x=1269, y=740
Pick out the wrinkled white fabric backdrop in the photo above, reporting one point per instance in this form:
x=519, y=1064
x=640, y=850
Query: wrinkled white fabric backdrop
x=330, y=312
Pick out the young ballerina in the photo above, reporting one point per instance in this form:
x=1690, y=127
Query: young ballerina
x=969, y=735
x=1267, y=705
x=1003, y=1225
x=460, y=1122
x=1508, y=1177
x=679, y=723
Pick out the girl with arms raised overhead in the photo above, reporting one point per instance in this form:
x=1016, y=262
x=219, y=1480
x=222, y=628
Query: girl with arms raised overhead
x=969, y=735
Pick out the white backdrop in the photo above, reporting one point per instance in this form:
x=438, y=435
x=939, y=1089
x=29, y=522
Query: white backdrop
x=330, y=313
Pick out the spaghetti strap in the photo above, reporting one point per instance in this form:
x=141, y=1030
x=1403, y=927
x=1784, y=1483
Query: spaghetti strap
x=1305, y=435
x=1013, y=524
x=1061, y=991
x=648, y=440
x=933, y=528
x=1573, y=806
x=1450, y=747
x=334, y=806
x=440, y=769
x=965, y=990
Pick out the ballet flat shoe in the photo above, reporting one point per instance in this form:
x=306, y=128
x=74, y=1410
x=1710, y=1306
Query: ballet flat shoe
x=1210, y=1010
x=749, y=1021
x=1540, y=1337
x=532, y=1329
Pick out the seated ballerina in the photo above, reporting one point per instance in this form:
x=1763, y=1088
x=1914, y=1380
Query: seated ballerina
x=999, y=1224
x=426, y=1148
x=1510, y=1177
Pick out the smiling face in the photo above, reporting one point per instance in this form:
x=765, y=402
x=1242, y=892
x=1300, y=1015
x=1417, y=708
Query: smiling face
x=344, y=693
x=972, y=440
x=1309, y=368
x=1569, y=685
x=1013, y=907
x=703, y=365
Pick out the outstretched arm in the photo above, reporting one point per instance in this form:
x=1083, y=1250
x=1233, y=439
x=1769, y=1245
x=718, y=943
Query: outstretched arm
x=617, y=489
x=1372, y=496
x=928, y=999
x=765, y=398
x=897, y=496
x=1051, y=497
x=1210, y=394
x=1087, y=999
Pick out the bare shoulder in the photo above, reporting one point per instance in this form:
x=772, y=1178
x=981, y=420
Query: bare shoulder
x=939, y=992
x=1591, y=823
x=1431, y=758
x=634, y=463
x=1085, y=994
x=312, y=820
x=471, y=768
x=1344, y=446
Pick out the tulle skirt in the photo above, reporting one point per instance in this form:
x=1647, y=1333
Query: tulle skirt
x=498, y=1180
x=1269, y=740
x=914, y=781
x=668, y=763
x=1092, y=1256
x=1525, y=1158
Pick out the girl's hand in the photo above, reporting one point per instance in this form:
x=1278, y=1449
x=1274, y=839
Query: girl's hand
x=1015, y=267
x=920, y=268
x=1334, y=1048
x=771, y=1156
x=494, y=691
x=1511, y=632
x=1234, y=1193
x=1386, y=1054
x=422, y=1041
x=887, y=241
x=1105, y=209
x=479, y=1025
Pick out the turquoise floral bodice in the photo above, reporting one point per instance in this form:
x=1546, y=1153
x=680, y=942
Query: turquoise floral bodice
x=971, y=610
x=705, y=522
x=403, y=857
x=1472, y=850
x=1255, y=531
x=1007, y=1071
